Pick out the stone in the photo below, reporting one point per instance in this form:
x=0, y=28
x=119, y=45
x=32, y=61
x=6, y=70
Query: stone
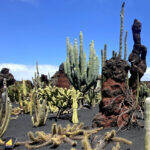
x=114, y=84
x=4, y=73
x=44, y=79
x=137, y=57
x=60, y=78
x=118, y=97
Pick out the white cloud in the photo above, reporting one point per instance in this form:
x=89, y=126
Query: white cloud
x=26, y=72
x=146, y=76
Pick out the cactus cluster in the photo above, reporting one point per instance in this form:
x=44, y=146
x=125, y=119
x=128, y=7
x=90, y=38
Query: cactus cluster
x=82, y=75
x=41, y=110
x=60, y=100
x=144, y=92
x=59, y=135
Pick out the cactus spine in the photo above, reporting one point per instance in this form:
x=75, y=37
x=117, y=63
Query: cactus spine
x=147, y=124
x=121, y=30
x=82, y=75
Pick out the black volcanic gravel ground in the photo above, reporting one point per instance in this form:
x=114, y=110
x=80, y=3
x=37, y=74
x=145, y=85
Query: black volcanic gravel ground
x=18, y=128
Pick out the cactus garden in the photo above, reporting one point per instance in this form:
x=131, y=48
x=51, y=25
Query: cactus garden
x=92, y=102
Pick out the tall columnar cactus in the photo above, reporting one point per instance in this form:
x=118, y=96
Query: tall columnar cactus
x=38, y=104
x=125, y=48
x=105, y=52
x=82, y=75
x=5, y=110
x=41, y=113
x=24, y=99
x=121, y=30
x=147, y=124
x=75, y=96
x=36, y=79
x=113, y=53
x=102, y=65
x=102, y=58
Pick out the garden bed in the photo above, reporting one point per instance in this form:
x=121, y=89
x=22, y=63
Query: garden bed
x=19, y=128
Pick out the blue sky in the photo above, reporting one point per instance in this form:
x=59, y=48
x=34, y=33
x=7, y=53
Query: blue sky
x=36, y=30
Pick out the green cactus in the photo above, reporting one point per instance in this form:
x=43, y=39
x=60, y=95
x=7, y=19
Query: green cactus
x=121, y=30
x=113, y=53
x=5, y=113
x=102, y=58
x=36, y=80
x=85, y=142
x=105, y=52
x=59, y=100
x=125, y=48
x=24, y=88
x=144, y=92
x=41, y=110
x=82, y=75
x=75, y=95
